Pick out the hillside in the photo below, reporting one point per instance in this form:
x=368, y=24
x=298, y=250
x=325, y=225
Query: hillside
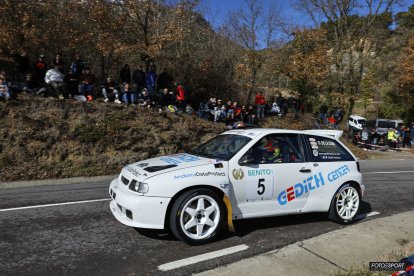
x=46, y=138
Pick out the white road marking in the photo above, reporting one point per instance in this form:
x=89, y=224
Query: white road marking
x=388, y=172
x=54, y=204
x=373, y=214
x=202, y=257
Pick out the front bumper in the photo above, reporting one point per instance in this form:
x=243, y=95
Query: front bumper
x=137, y=210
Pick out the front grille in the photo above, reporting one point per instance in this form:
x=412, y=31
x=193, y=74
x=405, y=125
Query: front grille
x=124, y=180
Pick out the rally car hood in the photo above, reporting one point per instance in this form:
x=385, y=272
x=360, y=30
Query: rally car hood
x=163, y=164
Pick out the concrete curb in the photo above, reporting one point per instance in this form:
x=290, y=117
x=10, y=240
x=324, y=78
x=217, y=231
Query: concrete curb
x=329, y=253
x=63, y=181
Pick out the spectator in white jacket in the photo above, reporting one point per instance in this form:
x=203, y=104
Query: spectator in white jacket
x=55, y=79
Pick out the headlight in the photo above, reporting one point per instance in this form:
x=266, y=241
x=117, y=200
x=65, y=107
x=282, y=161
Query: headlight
x=138, y=187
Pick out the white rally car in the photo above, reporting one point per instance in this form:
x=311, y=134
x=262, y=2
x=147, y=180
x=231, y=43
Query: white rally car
x=237, y=175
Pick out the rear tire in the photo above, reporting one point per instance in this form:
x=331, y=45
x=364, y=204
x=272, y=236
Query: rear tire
x=197, y=216
x=345, y=205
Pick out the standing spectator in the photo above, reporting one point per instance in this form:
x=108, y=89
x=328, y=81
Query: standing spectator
x=164, y=80
x=125, y=74
x=243, y=114
x=128, y=95
x=412, y=133
x=55, y=79
x=4, y=89
x=24, y=65
x=181, y=97
x=151, y=79
x=237, y=112
x=77, y=66
x=364, y=137
x=109, y=90
x=87, y=85
x=260, y=103
x=406, y=142
x=373, y=137
x=40, y=69
x=250, y=115
x=59, y=62
x=138, y=76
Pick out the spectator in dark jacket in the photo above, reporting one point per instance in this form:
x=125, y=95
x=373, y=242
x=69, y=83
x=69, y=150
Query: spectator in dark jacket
x=151, y=80
x=40, y=69
x=167, y=98
x=125, y=74
x=138, y=76
x=78, y=66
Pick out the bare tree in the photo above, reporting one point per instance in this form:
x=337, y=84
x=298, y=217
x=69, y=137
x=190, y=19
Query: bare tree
x=251, y=28
x=351, y=23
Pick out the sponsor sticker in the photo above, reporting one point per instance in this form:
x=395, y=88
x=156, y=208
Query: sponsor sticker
x=176, y=159
x=259, y=172
x=311, y=183
x=186, y=175
x=132, y=170
x=238, y=174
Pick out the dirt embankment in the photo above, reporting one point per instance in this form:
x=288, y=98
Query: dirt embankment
x=46, y=138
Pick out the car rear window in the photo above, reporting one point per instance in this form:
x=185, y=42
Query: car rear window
x=327, y=150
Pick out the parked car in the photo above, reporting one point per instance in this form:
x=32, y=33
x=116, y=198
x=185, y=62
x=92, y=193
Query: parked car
x=356, y=122
x=383, y=125
x=240, y=174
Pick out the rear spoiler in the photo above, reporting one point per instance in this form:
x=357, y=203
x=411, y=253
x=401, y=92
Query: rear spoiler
x=334, y=133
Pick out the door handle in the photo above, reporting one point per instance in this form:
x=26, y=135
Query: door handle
x=303, y=170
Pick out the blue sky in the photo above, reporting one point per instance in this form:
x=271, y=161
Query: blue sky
x=216, y=10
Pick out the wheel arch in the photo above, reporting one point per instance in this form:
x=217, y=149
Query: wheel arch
x=214, y=189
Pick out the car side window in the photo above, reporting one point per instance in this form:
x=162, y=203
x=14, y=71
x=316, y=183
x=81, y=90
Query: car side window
x=325, y=149
x=280, y=148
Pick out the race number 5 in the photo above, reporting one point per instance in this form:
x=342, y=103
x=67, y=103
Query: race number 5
x=261, y=186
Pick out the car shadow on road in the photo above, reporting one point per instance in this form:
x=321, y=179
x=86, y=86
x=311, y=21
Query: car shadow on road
x=246, y=226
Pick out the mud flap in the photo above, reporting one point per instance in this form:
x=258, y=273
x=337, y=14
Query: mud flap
x=230, y=225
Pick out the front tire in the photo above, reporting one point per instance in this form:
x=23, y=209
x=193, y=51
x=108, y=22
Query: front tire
x=197, y=216
x=345, y=205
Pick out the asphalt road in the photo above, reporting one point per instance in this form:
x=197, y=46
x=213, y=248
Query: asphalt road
x=85, y=239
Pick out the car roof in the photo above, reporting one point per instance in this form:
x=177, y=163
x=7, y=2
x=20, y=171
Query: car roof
x=253, y=132
x=357, y=117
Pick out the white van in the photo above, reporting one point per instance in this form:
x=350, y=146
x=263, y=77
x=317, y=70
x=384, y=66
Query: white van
x=383, y=125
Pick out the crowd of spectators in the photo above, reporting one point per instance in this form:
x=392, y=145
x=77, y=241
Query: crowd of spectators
x=137, y=87
x=231, y=111
x=76, y=80
x=402, y=137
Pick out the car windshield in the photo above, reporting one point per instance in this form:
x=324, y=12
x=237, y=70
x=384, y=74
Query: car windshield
x=222, y=147
x=362, y=122
x=386, y=124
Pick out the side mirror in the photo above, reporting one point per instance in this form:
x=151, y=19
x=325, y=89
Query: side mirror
x=247, y=159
